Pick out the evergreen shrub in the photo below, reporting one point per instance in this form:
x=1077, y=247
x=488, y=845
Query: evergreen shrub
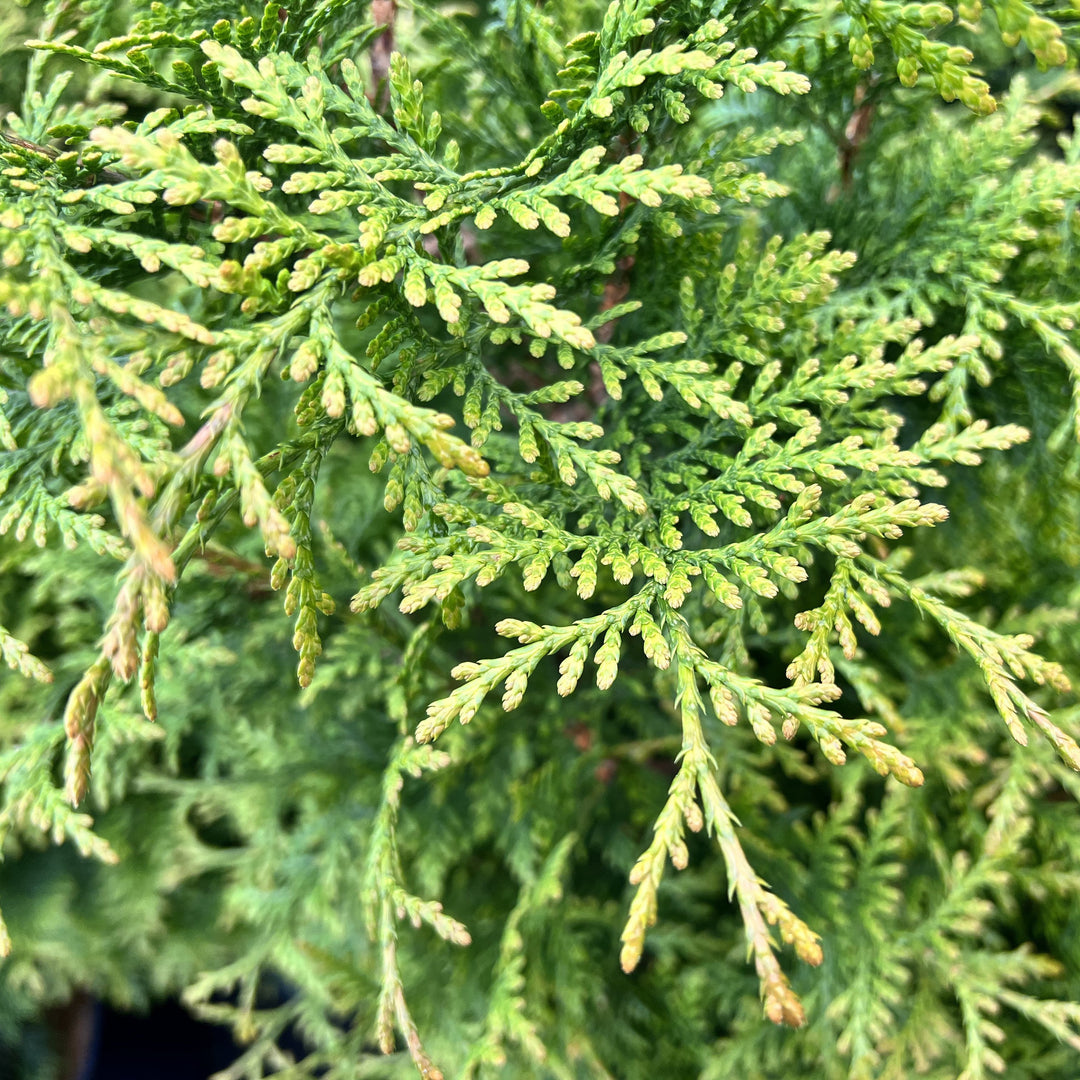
x=658, y=422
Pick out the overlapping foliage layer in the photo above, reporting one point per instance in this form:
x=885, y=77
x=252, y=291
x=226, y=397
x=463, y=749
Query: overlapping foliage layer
x=616, y=369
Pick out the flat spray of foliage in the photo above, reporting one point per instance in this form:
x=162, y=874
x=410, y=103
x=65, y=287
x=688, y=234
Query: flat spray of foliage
x=619, y=363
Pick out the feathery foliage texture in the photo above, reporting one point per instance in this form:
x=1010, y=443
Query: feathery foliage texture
x=589, y=384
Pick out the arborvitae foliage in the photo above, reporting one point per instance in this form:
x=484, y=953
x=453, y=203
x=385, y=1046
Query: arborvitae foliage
x=595, y=377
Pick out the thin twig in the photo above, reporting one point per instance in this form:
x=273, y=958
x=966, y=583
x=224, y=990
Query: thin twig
x=105, y=176
x=384, y=13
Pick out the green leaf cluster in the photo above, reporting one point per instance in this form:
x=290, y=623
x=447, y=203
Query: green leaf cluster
x=696, y=382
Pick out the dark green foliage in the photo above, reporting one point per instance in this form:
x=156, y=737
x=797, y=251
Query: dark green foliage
x=603, y=361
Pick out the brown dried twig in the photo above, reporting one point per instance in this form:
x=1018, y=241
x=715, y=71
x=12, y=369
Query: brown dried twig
x=384, y=13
